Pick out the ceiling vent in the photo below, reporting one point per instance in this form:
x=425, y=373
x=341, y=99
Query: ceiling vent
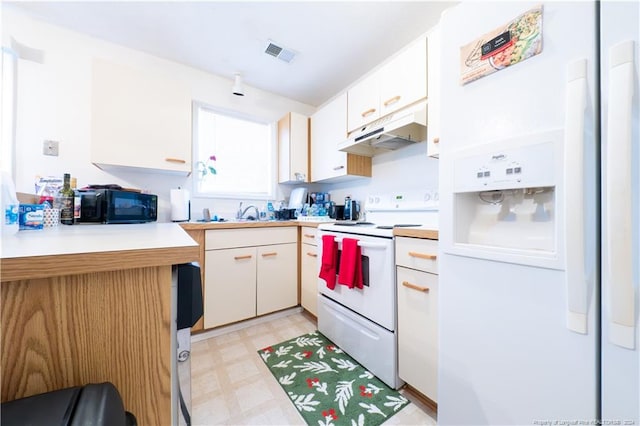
x=279, y=52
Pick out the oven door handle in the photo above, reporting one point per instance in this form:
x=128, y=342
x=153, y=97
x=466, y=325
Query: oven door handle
x=367, y=245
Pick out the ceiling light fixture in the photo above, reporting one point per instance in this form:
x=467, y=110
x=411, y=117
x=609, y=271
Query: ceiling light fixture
x=238, y=87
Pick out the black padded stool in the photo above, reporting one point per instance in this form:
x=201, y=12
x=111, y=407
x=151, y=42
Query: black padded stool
x=93, y=404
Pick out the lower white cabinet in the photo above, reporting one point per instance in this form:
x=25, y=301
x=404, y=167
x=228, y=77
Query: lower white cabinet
x=309, y=270
x=417, y=292
x=230, y=286
x=277, y=277
x=249, y=272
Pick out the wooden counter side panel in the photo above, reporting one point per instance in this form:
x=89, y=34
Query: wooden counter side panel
x=14, y=269
x=90, y=328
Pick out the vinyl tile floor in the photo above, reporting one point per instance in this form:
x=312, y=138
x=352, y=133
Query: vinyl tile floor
x=231, y=385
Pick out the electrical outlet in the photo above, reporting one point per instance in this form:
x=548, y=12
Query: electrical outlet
x=50, y=148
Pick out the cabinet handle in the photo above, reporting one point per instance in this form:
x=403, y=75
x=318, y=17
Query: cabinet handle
x=174, y=160
x=309, y=236
x=273, y=253
x=392, y=100
x=436, y=140
x=312, y=254
x=242, y=257
x=368, y=112
x=338, y=167
x=415, y=287
x=423, y=255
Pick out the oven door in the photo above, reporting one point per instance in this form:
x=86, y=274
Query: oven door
x=374, y=347
x=376, y=301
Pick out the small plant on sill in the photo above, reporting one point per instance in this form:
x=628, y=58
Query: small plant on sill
x=206, y=167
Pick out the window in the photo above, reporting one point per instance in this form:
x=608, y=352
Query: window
x=233, y=155
x=7, y=110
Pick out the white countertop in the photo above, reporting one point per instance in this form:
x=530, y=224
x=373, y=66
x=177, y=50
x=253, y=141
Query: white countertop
x=84, y=238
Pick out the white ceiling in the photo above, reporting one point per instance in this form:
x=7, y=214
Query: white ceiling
x=337, y=41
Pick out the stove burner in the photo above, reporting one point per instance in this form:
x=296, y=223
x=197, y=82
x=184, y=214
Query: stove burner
x=353, y=223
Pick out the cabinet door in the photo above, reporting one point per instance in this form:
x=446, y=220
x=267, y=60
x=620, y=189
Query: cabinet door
x=230, y=286
x=140, y=120
x=433, y=79
x=293, y=148
x=277, y=273
x=328, y=128
x=363, y=102
x=418, y=330
x=309, y=277
x=403, y=80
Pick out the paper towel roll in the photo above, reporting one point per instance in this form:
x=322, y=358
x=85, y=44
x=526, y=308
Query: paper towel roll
x=180, y=205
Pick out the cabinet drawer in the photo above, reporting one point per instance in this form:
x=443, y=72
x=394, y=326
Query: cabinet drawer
x=417, y=253
x=230, y=238
x=418, y=330
x=308, y=235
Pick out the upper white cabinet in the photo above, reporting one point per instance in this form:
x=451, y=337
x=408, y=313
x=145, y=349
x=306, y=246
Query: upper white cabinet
x=403, y=80
x=433, y=78
x=139, y=119
x=364, y=102
x=328, y=127
x=293, y=148
x=398, y=83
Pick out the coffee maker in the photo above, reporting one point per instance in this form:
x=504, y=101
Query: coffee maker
x=351, y=209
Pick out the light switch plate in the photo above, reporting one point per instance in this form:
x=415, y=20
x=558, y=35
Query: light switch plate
x=50, y=148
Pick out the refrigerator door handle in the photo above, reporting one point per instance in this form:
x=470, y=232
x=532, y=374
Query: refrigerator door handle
x=618, y=212
x=576, y=280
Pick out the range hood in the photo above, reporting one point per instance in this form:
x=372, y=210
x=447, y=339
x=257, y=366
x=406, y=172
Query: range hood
x=393, y=131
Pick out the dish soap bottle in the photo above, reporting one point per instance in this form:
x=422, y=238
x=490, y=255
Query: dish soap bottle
x=271, y=214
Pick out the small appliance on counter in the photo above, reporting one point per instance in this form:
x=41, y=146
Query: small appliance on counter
x=180, y=205
x=297, y=198
x=100, y=205
x=351, y=209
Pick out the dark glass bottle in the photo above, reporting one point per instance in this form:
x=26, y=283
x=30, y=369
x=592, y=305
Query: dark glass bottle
x=66, y=198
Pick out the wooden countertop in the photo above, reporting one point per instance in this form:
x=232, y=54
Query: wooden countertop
x=249, y=224
x=417, y=232
x=77, y=249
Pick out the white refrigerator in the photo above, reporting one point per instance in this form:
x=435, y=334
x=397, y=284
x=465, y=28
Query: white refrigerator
x=539, y=207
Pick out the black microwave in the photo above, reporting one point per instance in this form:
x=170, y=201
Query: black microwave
x=117, y=206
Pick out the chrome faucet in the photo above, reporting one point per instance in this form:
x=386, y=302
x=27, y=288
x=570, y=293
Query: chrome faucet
x=240, y=214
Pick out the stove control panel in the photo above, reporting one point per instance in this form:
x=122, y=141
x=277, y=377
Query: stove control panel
x=404, y=201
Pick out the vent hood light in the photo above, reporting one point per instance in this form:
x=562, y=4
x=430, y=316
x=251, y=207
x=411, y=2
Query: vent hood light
x=391, y=132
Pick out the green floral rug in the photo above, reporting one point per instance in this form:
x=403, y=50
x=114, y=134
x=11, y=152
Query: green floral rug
x=327, y=386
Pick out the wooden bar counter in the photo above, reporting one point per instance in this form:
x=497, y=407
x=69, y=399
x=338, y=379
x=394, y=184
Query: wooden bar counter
x=92, y=303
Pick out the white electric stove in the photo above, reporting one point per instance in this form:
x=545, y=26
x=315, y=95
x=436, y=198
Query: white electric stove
x=363, y=321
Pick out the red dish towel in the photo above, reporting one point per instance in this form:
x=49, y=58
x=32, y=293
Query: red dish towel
x=350, y=264
x=329, y=260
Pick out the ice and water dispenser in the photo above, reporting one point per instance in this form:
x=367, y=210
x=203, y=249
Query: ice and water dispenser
x=506, y=200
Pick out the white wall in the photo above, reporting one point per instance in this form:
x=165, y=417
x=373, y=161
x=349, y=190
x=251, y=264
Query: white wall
x=407, y=169
x=54, y=100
